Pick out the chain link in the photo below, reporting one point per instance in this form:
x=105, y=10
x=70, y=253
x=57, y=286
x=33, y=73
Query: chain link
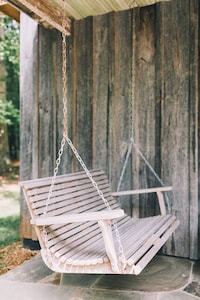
x=60, y=152
x=83, y=165
x=58, y=160
x=64, y=83
x=124, y=167
x=73, y=148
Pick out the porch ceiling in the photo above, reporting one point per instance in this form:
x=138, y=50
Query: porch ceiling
x=49, y=12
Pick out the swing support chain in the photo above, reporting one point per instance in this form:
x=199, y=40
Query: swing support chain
x=132, y=114
x=65, y=139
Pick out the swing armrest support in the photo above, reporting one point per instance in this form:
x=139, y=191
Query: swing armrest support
x=105, y=226
x=82, y=217
x=158, y=190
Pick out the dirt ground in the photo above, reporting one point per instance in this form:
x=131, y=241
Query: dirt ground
x=13, y=255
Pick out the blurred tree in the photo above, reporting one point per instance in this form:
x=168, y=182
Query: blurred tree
x=9, y=91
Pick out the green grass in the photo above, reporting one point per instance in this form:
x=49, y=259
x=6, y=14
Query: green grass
x=9, y=230
x=10, y=195
x=9, y=203
x=9, y=215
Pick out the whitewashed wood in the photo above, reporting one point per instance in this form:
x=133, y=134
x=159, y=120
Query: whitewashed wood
x=150, y=240
x=82, y=217
x=151, y=253
x=142, y=233
x=80, y=238
x=158, y=190
x=142, y=191
x=161, y=202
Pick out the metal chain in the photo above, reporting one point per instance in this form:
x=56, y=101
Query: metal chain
x=114, y=223
x=83, y=165
x=124, y=167
x=132, y=107
x=153, y=171
x=132, y=102
x=64, y=83
x=60, y=152
x=132, y=116
x=133, y=75
x=58, y=160
x=73, y=148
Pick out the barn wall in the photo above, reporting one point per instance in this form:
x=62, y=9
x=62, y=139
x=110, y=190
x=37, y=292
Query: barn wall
x=144, y=58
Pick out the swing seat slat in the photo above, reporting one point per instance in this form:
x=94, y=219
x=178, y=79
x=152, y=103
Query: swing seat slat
x=80, y=238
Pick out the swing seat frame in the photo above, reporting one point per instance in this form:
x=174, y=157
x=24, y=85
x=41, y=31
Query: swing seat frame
x=79, y=235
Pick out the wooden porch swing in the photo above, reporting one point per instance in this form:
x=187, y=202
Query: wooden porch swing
x=79, y=224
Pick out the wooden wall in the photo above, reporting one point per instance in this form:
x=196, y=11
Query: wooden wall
x=152, y=51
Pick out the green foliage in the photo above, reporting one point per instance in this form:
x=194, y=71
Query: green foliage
x=9, y=109
x=8, y=113
x=9, y=44
x=9, y=52
x=9, y=230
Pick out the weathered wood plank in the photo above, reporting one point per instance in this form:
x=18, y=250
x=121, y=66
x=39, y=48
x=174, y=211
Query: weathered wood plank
x=111, y=95
x=84, y=114
x=71, y=99
x=194, y=213
x=133, y=110
x=145, y=103
x=123, y=43
x=29, y=108
x=159, y=51
x=101, y=65
x=29, y=113
x=47, y=78
x=174, y=115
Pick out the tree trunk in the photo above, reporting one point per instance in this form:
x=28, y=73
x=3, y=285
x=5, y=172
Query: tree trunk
x=4, y=161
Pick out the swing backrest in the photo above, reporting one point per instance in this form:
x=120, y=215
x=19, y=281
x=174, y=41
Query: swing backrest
x=72, y=193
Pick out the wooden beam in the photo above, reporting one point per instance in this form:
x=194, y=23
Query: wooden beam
x=9, y=11
x=44, y=12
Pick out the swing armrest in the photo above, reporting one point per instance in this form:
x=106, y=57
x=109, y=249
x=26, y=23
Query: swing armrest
x=143, y=191
x=82, y=217
x=158, y=190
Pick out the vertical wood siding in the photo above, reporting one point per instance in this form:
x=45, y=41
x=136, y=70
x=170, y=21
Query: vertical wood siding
x=108, y=55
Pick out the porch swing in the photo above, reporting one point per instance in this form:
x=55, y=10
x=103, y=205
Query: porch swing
x=80, y=225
